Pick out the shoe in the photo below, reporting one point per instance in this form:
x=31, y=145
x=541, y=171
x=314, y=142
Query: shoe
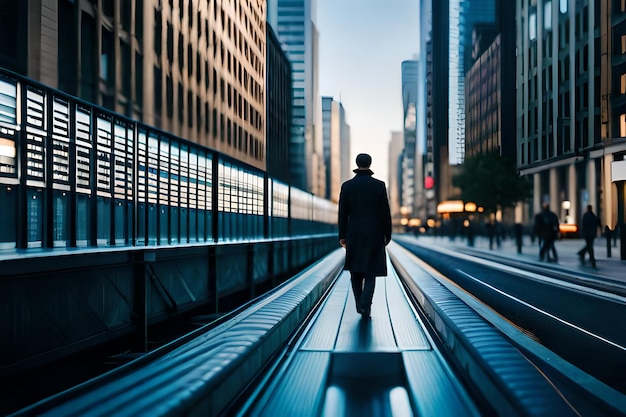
x=582, y=258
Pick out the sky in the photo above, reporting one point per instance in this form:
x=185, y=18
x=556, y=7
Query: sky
x=362, y=46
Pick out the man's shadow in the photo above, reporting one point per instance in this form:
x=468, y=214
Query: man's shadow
x=364, y=333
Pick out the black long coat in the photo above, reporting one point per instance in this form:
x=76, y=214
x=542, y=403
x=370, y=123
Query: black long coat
x=365, y=223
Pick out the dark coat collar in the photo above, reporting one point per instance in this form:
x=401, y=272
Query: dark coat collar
x=363, y=171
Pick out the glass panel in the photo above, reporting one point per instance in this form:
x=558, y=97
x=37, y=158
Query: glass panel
x=8, y=161
x=104, y=168
x=142, y=150
x=83, y=219
x=120, y=221
x=192, y=194
x=35, y=217
x=164, y=155
x=8, y=208
x=203, y=206
x=184, y=194
x=120, y=184
x=60, y=143
x=35, y=135
x=547, y=15
x=174, y=191
x=83, y=150
x=153, y=193
x=152, y=224
x=8, y=105
x=8, y=129
x=60, y=220
x=103, y=221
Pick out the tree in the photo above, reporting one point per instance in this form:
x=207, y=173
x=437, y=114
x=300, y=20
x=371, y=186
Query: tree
x=492, y=182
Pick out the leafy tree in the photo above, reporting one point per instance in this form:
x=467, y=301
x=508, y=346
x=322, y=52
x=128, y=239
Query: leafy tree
x=491, y=181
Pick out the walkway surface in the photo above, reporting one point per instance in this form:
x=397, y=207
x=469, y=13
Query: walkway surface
x=609, y=267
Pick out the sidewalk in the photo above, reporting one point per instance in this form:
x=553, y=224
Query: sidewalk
x=612, y=268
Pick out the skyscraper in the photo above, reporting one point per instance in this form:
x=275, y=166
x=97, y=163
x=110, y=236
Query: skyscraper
x=278, y=94
x=411, y=163
x=336, y=139
x=571, y=131
x=446, y=28
x=396, y=145
x=293, y=23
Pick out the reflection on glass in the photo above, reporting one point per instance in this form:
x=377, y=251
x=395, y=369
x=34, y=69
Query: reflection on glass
x=119, y=238
x=83, y=220
x=60, y=224
x=35, y=218
x=103, y=221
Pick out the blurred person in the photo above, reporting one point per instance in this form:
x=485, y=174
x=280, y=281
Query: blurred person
x=537, y=230
x=519, y=232
x=547, y=223
x=491, y=232
x=590, y=225
x=364, y=231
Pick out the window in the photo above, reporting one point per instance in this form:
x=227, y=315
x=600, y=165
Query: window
x=547, y=15
x=622, y=125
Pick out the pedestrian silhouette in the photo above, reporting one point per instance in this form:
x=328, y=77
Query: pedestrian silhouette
x=590, y=224
x=518, y=230
x=364, y=231
x=547, y=223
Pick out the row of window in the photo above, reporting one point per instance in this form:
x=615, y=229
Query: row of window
x=75, y=175
x=243, y=94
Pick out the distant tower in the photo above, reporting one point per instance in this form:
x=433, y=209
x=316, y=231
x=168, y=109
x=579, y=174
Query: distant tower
x=336, y=140
x=411, y=178
x=396, y=144
x=294, y=25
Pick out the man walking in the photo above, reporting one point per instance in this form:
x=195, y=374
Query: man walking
x=549, y=231
x=364, y=230
x=590, y=224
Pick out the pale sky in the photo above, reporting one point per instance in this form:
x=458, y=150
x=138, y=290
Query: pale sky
x=362, y=46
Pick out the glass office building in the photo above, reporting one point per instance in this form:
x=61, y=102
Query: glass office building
x=293, y=23
x=571, y=117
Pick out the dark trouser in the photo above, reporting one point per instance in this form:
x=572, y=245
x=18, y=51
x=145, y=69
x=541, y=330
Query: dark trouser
x=588, y=248
x=363, y=289
x=546, y=247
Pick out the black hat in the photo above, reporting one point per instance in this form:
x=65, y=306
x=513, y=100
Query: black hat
x=363, y=160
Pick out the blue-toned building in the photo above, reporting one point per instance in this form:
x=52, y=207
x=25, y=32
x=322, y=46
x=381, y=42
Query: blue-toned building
x=294, y=25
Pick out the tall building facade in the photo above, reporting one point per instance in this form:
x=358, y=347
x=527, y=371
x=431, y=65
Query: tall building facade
x=293, y=22
x=278, y=122
x=411, y=193
x=483, y=129
x=396, y=146
x=446, y=29
x=490, y=87
x=463, y=17
x=336, y=145
x=425, y=121
x=195, y=68
x=571, y=116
